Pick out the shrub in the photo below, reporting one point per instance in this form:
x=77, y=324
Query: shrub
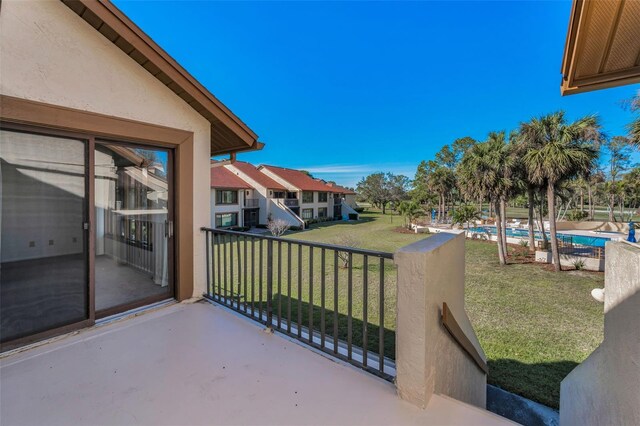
x=278, y=227
x=359, y=209
x=578, y=264
x=578, y=215
x=346, y=240
x=524, y=243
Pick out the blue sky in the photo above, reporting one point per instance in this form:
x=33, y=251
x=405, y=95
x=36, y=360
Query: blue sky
x=347, y=89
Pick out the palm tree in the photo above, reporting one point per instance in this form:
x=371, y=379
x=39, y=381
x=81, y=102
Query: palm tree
x=634, y=126
x=525, y=143
x=465, y=214
x=441, y=181
x=562, y=151
x=484, y=172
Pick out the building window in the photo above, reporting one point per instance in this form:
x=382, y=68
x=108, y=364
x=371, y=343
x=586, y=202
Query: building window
x=224, y=220
x=307, y=197
x=307, y=214
x=226, y=197
x=322, y=212
x=278, y=194
x=322, y=197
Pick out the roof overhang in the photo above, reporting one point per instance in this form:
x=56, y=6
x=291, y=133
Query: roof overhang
x=603, y=45
x=228, y=132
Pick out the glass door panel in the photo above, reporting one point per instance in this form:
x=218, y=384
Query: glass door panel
x=43, y=242
x=134, y=228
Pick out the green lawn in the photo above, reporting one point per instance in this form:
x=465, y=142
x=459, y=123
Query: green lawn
x=534, y=325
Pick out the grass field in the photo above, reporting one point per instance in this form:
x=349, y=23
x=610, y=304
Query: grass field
x=534, y=325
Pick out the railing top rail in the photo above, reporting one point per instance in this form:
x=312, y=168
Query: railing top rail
x=313, y=244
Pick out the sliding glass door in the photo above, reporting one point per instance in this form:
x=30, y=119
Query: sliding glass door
x=86, y=230
x=44, y=282
x=134, y=226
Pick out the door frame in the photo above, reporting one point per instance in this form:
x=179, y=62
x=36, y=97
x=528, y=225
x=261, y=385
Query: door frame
x=51, y=119
x=88, y=241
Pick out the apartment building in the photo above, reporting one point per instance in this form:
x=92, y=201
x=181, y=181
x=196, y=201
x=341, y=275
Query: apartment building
x=232, y=201
x=318, y=199
x=279, y=193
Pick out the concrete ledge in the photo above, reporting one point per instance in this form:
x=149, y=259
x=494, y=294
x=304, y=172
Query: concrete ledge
x=428, y=359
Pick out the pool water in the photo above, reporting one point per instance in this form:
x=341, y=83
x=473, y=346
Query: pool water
x=523, y=233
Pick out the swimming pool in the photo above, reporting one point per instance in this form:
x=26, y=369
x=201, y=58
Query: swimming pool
x=582, y=240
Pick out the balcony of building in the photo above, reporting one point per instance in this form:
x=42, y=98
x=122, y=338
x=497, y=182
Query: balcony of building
x=256, y=352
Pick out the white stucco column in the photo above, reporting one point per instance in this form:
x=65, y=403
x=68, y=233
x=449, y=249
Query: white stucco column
x=605, y=388
x=428, y=360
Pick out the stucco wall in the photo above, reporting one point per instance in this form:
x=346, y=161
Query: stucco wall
x=258, y=191
x=316, y=204
x=428, y=360
x=49, y=54
x=226, y=208
x=605, y=388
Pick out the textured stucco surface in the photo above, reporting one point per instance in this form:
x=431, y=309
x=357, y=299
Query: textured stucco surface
x=49, y=54
x=428, y=360
x=605, y=388
x=199, y=364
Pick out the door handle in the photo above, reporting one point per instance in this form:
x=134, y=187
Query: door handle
x=168, y=228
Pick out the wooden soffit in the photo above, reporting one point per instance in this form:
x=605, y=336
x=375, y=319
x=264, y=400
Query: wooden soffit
x=603, y=45
x=228, y=132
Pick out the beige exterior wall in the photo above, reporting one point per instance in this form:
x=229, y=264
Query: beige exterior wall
x=226, y=208
x=605, y=388
x=428, y=360
x=316, y=204
x=49, y=54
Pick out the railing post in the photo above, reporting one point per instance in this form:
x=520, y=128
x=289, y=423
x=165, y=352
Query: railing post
x=269, y=284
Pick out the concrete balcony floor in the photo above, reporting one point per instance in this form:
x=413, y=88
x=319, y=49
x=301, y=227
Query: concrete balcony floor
x=192, y=364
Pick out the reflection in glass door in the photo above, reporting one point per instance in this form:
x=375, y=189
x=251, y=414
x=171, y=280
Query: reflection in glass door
x=43, y=251
x=134, y=228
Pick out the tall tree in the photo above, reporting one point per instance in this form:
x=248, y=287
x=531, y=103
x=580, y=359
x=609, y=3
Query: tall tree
x=375, y=190
x=484, y=172
x=634, y=126
x=563, y=151
x=381, y=189
x=618, y=149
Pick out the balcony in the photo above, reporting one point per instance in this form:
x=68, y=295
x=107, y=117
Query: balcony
x=207, y=363
x=198, y=364
x=251, y=203
x=291, y=202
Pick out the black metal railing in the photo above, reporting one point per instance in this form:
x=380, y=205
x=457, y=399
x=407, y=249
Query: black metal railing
x=251, y=202
x=290, y=202
x=567, y=245
x=333, y=298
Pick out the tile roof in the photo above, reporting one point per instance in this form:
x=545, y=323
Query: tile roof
x=341, y=189
x=252, y=171
x=300, y=179
x=223, y=178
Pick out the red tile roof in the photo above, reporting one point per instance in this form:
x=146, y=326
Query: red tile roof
x=340, y=189
x=300, y=179
x=223, y=178
x=252, y=171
